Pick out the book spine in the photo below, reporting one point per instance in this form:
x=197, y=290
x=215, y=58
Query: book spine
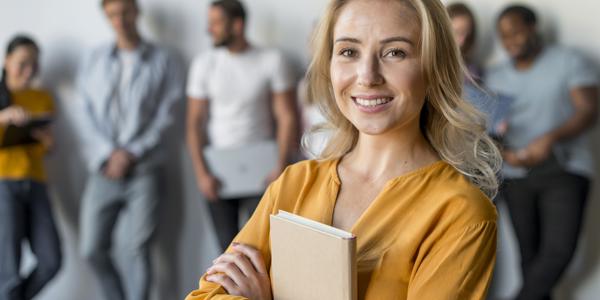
x=352, y=272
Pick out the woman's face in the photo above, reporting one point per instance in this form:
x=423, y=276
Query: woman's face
x=376, y=66
x=21, y=66
x=462, y=28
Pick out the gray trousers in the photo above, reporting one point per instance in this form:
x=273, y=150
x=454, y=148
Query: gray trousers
x=104, y=202
x=25, y=214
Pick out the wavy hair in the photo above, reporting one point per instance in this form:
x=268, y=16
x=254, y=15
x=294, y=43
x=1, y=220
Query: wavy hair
x=453, y=127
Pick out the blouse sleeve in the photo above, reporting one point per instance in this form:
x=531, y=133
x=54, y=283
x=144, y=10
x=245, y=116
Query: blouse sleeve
x=256, y=234
x=460, y=266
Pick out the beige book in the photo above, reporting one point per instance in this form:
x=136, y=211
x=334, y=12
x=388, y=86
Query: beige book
x=311, y=260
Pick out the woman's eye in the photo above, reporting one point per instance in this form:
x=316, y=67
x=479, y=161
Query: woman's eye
x=348, y=52
x=396, y=53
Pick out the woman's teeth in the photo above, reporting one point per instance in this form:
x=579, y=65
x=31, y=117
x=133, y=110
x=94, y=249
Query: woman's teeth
x=372, y=102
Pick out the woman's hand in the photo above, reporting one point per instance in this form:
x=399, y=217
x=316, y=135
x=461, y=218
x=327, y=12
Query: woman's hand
x=44, y=136
x=241, y=273
x=15, y=115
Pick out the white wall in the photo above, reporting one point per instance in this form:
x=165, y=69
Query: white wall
x=185, y=243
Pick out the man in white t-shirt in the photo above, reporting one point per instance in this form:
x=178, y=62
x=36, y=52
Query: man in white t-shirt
x=238, y=94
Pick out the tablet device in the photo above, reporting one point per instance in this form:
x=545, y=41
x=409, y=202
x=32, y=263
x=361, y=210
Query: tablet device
x=242, y=171
x=22, y=135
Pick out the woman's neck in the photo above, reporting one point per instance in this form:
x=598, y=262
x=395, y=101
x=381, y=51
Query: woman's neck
x=389, y=155
x=14, y=86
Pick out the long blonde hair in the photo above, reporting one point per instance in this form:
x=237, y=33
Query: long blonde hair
x=453, y=127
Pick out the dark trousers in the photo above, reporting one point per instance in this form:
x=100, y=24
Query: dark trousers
x=25, y=214
x=546, y=211
x=225, y=216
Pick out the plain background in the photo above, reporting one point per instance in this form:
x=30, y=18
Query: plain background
x=185, y=246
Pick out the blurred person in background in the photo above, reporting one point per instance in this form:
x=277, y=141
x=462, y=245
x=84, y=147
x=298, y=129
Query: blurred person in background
x=314, y=129
x=127, y=90
x=548, y=162
x=464, y=27
x=25, y=210
x=238, y=94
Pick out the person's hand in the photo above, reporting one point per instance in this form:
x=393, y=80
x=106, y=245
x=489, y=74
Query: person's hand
x=119, y=164
x=209, y=186
x=44, y=136
x=14, y=115
x=241, y=273
x=501, y=128
x=535, y=153
x=510, y=157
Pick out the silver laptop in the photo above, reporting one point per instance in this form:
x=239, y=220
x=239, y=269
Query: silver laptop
x=242, y=171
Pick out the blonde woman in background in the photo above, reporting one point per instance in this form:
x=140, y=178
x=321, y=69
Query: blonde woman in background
x=409, y=169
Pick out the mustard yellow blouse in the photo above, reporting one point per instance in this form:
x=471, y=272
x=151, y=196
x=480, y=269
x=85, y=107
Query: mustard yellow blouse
x=26, y=162
x=429, y=234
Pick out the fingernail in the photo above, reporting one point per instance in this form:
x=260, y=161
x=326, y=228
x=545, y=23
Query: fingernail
x=234, y=244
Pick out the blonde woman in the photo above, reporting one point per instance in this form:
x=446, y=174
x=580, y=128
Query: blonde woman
x=409, y=170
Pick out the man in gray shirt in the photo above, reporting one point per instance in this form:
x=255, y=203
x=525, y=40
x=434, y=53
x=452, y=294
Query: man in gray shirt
x=548, y=163
x=127, y=89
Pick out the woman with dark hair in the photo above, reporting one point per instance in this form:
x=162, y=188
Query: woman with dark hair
x=465, y=31
x=495, y=107
x=25, y=212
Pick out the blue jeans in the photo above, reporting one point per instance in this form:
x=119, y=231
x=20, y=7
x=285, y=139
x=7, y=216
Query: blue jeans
x=25, y=214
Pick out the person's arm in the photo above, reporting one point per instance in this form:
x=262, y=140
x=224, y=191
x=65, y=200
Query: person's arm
x=285, y=112
x=585, y=104
x=14, y=114
x=286, y=118
x=197, y=117
x=458, y=266
x=162, y=118
x=98, y=145
x=255, y=234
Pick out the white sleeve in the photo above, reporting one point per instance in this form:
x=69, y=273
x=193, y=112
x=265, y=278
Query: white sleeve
x=199, y=73
x=282, y=78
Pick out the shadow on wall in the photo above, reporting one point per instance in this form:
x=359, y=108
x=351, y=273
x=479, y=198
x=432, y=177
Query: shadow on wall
x=167, y=272
x=65, y=165
x=587, y=259
x=167, y=29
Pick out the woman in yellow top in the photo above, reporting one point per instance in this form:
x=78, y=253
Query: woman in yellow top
x=25, y=212
x=409, y=169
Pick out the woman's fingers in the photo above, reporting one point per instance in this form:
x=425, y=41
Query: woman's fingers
x=254, y=255
x=240, y=260
x=230, y=269
x=241, y=272
x=223, y=280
